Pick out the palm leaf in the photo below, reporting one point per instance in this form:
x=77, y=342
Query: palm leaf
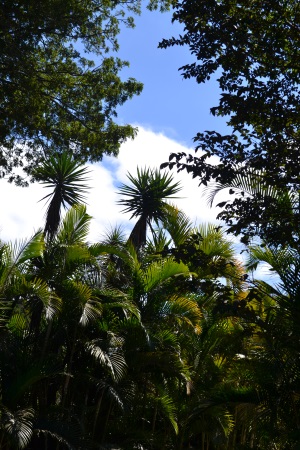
x=185, y=311
x=75, y=226
x=18, y=426
x=158, y=272
x=168, y=408
x=37, y=288
x=177, y=224
x=250, y=182
x=114, y=298
x=113, y=360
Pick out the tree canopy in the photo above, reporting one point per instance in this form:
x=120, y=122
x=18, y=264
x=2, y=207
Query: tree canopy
x=252, y=47
x=52, y=96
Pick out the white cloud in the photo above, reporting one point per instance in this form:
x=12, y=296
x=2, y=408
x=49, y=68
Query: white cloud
x=22, y=214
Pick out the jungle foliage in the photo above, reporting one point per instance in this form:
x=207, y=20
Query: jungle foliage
x=165, y=343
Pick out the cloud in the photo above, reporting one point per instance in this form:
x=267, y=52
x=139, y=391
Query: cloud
x=22, y=214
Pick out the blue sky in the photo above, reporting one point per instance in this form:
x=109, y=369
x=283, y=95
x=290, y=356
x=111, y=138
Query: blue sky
x=179, y=108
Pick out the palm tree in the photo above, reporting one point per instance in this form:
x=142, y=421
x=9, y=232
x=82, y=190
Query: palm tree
x=66, y=177
x=165, y=350
x=274, y=353
x=54, y=349
x=146, y=200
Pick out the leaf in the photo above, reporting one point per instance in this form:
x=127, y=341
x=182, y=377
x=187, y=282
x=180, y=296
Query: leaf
x=19, y=426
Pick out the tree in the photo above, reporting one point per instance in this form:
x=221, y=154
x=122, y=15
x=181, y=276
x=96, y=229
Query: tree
x=152, y=345
x=146, y=199
x=253, y=48
x=66, y=177
x=102, y=346
x=55, y=350
x=52, y=96
x=278, y=208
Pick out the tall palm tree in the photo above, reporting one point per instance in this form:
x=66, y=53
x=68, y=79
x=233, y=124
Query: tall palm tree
x=274, y=355
x=66, y=177
x=146, y=199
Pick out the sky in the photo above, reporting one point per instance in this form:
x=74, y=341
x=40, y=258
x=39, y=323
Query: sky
x=23, y=212
x=169, y=104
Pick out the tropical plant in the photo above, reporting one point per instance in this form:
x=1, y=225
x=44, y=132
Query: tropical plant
x=145, y=199
x=66, y=177
x=105, y=345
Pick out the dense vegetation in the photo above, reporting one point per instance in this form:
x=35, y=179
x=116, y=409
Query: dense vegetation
x=162, y=340
x=156, y=341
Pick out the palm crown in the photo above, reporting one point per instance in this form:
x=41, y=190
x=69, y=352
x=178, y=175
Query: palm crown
x=145, y=199
x=66, y=177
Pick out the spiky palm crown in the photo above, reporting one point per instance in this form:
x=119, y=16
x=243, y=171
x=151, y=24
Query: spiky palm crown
x=66, y=178
x=147, y=194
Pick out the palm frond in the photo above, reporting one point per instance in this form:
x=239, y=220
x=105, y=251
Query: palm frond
x=18, y=426
x=249, y=182
x=89, y=306
x=115, y=298
x=213, y=241
x=26, y=250
x=177, y=223
x=158, y=272
x=167, y=406
x=115, y=237
x=15, y=254
x=113, y=361
x=185, y=311
x=75, y=226
x=37, y=288
x=92, y=310
x=157, y=243
x=17, y=324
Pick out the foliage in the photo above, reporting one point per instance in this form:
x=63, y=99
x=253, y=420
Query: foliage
x=53, y=97
x=253, y=49
x=161, y=341
x=146, y=198
x=66, y=177
x=278, y=208
x=106, y=346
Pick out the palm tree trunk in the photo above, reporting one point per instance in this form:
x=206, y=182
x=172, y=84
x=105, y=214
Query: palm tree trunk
x=49, y=328
x=68, y=376
x=97, y=413
x=106, y=421
x=154, y=418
